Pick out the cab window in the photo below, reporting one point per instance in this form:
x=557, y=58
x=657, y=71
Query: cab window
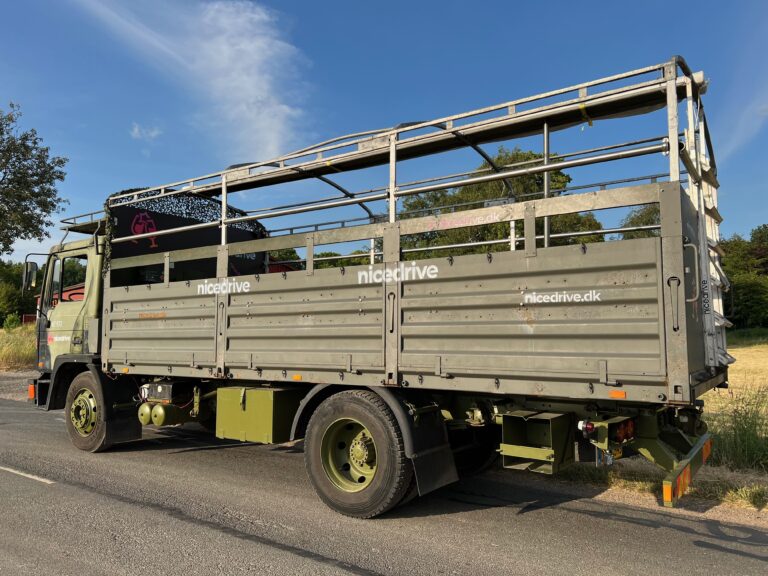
x=67, y=280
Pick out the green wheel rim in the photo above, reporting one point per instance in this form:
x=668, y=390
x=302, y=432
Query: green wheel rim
x=349, y=455
x=83, y=412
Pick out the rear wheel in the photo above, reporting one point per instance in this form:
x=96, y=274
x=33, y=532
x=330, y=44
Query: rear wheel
x=355, y=456
x=85, y=414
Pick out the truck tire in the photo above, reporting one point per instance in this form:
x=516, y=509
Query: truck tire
x=85, y=414
x=354, y=454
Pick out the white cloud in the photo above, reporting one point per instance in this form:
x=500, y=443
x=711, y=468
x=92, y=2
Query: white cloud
x=742, y=93
x=145, y=133
x=232, y=52
x=746, y=123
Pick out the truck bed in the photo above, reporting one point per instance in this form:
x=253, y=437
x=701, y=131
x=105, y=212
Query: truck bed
x=586, y=321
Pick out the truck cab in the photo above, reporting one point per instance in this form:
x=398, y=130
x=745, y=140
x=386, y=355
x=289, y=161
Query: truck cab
x=67, y=326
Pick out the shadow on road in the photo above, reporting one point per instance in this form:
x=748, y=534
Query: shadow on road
x=518, y=497
x=514, y=494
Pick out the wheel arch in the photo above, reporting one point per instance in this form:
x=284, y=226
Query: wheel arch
x=64, y=371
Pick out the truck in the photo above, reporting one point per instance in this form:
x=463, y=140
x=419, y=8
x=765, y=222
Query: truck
x=460, y=333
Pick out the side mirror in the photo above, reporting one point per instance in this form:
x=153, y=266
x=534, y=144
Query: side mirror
x=30, y=276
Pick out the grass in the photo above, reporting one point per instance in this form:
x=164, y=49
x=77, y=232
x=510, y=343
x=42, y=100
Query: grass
x=718, y=483
x=747, y=337
x=738, y=416
x=17, y=348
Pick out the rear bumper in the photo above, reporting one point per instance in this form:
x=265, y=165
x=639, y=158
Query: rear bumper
x=678, y=480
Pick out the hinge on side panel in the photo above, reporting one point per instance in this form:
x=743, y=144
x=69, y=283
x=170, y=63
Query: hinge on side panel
x=602, y=368
x=439, y=368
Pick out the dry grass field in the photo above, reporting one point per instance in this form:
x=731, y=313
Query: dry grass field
x=738, y=416
x=17, y=348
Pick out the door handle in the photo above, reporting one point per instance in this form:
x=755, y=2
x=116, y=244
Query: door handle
x=391, y=303
x=221, y=318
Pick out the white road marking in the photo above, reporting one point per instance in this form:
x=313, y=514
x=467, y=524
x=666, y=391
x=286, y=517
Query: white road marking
x=30, y=476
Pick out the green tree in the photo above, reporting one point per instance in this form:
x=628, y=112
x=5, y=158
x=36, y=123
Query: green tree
x=11, y=300
x=327, y=263
x=647, y=215
x=28, y=178
x=10, y=272
x=747, y=306
x=287, y=255
x=74, y=272
x=746, y=265
x=739, y=257
x=759, y=241
x=518, y=189
x=336, y=263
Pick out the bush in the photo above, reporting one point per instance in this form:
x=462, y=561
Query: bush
x=11, y=322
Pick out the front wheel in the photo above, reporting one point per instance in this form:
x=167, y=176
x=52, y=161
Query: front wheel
x=85, y=414
x=355, y=456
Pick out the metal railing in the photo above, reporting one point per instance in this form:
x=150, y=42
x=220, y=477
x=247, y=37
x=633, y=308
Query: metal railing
x=633, y=92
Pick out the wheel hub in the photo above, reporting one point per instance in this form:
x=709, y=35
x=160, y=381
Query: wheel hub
x=361, y=450
x=349, y=455
x=83, y=412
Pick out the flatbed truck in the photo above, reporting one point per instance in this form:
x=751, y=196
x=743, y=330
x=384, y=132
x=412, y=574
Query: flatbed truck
x=410, y=363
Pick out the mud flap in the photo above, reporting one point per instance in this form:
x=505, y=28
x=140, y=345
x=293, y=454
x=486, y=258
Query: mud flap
x=434, y=468
x=120, y=415
x=426, y=441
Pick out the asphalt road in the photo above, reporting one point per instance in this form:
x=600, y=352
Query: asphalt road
x=180, y=502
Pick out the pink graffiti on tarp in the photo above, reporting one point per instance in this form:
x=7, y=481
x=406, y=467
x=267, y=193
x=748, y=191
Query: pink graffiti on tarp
x=143, y=223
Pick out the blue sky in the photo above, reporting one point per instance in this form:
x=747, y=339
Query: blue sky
x=146, y=92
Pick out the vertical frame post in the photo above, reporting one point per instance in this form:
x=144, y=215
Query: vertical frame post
x=223, y=209
x=670, y=73
x=392, y=177
x=546, y=182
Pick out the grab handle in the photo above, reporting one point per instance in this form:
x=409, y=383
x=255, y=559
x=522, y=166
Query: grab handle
x=696, y=271
x=222, y=318
x=391, y=304
x=674, y=293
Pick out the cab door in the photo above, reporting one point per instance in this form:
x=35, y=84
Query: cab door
x=64, y=315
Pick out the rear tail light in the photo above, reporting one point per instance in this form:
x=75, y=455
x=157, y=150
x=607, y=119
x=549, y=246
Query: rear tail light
x=586, y=427
x=623, y=431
